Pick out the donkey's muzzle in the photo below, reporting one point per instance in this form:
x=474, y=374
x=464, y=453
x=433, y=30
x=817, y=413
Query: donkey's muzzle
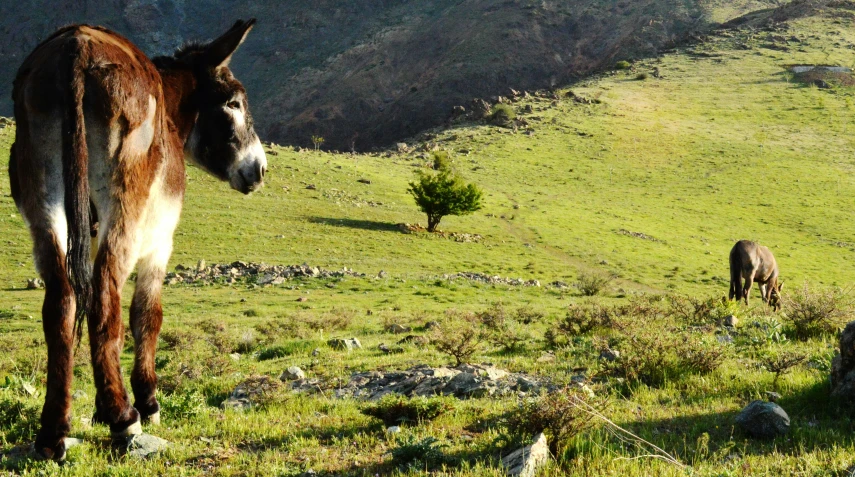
x=251, y=169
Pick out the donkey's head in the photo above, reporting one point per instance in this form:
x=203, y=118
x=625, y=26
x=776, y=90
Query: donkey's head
x=775, y=295
x=223, y=140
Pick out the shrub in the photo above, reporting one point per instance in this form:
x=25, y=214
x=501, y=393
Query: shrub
x=18, y=420
x=527, y=315
x=622, y=65
x=396, y=409
x=502, y=114
x=591, y=283
x=273, y=352
x=458, y=335
x=692, y=310
x=781, y=363
x=416, y=455
x=182, y=405
x=641, y=76
x=653, y=358
x=561, y=415
x=814, y=313
x=504, y=329
x=444, y=193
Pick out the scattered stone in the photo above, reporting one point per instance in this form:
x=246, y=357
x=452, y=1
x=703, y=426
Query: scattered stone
x=344, y=344
x=843, y=366
x=144, y=445
x=393, y=430
x=609, y=354
x=730, y=321
x=35, y=284
x=363, y=181
x=316, y=352
x=250, y=273
x=303, y=299
x=79, y=394
x=526, y=461
x=28, y=389
x=235, y=356
x=491, y=280
x=763, y=420
x=398, y=329
x=413, y=339
x=382, y=274
x=311, y=187
x=402, y=147
x=431, y=325
x=546, y=358
x=292, y=373
x=249, y=391
x=464, y=382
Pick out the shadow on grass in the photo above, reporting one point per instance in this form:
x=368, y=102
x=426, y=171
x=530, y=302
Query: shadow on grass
x=357, y=224
x=816, y=422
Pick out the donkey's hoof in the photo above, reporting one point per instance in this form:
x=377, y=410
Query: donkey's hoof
x=153, y=419
x=130, y=431
x=144, y=445
x=54, y=452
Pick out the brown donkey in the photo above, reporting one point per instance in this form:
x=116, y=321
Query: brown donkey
x=754, y=263
x=101, y=124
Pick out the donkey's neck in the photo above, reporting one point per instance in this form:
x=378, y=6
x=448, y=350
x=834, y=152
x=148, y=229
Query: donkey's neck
x=178, y=88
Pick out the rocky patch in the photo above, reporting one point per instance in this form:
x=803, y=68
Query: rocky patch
x=259, y=274
x=492, y=280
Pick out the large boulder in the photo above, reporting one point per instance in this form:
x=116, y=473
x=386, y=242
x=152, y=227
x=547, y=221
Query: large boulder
x=843, y=365
x=526, y=461
x=764, y=420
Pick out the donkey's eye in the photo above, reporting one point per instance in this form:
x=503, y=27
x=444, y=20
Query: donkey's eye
x=233, y=104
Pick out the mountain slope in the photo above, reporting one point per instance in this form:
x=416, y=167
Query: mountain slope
x=369, y=73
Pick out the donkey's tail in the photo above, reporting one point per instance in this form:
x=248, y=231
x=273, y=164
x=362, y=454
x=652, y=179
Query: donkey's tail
x=735, y=276
x=75, y=168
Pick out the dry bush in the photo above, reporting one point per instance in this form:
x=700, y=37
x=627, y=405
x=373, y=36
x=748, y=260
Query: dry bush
x=692, y=310
x=561, y=415
x=459, y=335
x=580, y=319
x=503, y=328
x=528, y=315
x=653, y=358
x=815, y=313
x=177, y=339
x=591, y=283
x=782, y=363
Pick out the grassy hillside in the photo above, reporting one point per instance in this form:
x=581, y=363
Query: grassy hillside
x=651, y=179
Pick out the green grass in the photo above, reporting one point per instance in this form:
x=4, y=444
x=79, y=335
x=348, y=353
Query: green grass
x=721, y=148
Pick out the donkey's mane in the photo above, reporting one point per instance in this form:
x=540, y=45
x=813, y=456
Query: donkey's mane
x=182, y=56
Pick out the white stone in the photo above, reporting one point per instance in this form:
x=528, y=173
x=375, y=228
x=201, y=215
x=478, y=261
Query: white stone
x=526, y=461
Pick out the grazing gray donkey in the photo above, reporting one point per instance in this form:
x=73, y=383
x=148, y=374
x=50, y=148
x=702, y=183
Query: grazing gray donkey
x=754, y=263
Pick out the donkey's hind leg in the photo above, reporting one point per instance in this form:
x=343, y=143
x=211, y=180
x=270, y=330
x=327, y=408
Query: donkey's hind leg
x=58, y=324
x=115, y=259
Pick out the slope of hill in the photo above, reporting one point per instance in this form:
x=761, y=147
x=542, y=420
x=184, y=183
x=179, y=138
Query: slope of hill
x=650, y=173
x=367, y=73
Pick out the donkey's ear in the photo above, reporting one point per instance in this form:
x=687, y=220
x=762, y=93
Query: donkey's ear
x=220, y=51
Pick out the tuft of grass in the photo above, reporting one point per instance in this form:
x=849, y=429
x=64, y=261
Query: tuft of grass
x=395, y=409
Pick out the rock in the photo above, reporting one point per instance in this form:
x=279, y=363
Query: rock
x=302, y=299
x=527, y=109
x=480, y=108
x=28, y=389
x=546, y=358
x=144, y=445
x=79, y=394
x=843, y=366
x=363, y=181
x=413, y=339
x=309, y=473
x=398, y=329
x=393, y=429
x=730, y=321
x=235, y=356
x=402, y=147
x=526, y=461
x=252, y=388
x=316, y=351
x=609, y=354
x=35, y=284
x=292, y=373
x=382, y=274
x=469, y=385
x=344, y=344
x=311, y=187
x=431, y=325
x=200, y=267
x=764, y=420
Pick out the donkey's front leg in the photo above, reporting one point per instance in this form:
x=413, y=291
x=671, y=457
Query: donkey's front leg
x=146, y=319
x=106, y=333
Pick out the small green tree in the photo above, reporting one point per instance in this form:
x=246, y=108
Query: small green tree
x=444, y=193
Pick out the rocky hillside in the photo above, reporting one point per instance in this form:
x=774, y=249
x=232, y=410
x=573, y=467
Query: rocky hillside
x=367, y=73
